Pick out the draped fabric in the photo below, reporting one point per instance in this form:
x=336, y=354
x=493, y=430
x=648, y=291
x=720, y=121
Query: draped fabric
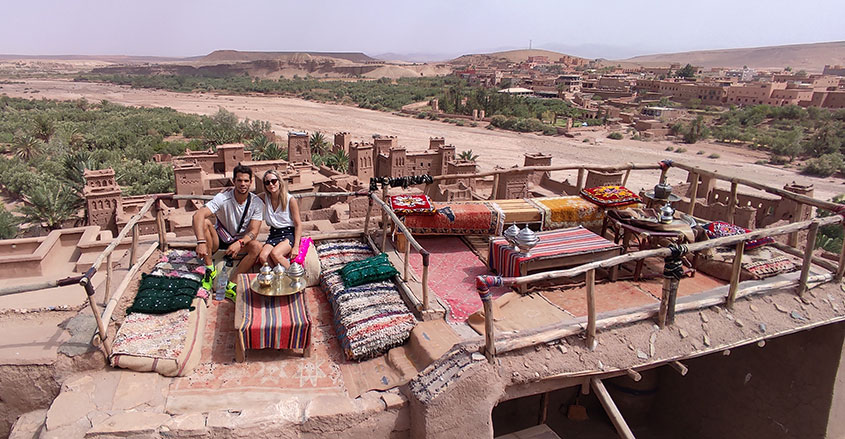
x=276, y=322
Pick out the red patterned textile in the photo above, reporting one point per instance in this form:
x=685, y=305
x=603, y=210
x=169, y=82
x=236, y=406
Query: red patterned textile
x=577, y=240
x=459, y=218
x=273, y=322
x=720, y=229
x=411, y=205
x=610, y=196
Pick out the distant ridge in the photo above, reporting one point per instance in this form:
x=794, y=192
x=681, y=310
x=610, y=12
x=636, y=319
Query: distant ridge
x=242, y=56
x=810, y=57
x=519, y=55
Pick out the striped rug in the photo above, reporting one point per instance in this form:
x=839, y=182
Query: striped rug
x=577, y=240
x=273, y=322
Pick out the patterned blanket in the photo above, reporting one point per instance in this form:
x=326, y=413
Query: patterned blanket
x=369, y=319
x=459, y=218
x=568, y=211
x=180, y=263
x=155, y=336
x=273, y=322
x=578, y=240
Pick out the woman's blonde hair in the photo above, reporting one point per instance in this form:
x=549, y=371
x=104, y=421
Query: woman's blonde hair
x=283, y=190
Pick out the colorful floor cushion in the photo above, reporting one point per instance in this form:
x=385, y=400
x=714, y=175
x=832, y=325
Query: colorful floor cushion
x=610, y=196
x=568, y=211
x=369, y=319
x=459, y=218
x=161, y=294
x=373, y=269
x=170, y=344
x=411, y=205
x=757, y=263
x=180, y=263
x=720, y=229
x=280, y=322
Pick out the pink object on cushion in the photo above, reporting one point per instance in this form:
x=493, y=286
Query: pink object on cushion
x=304, y=243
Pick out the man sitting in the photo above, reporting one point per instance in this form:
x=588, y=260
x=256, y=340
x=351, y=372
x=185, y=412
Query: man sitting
x=237, y=214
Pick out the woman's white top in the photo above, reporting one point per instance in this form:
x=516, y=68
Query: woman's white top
x=278, y=217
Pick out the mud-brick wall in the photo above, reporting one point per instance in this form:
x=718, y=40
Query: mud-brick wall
x=783, y=390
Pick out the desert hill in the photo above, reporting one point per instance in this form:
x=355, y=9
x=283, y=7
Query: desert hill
x=225, y=56
x=810, y=57
x=509, y=56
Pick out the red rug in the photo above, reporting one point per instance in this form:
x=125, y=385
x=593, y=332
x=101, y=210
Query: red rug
x=451, y=275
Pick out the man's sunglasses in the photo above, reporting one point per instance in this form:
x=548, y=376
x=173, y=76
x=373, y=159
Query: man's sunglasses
x=271, y=181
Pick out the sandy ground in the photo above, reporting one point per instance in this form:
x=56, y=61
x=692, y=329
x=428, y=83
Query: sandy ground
x=495, y=147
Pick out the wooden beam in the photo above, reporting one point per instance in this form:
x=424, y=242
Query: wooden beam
x=495, y=187
x=808, y=257
x=821, y=262
x=633, y=374
x=126, y=229
x=612, y=411
x=678, y=366
x=384, y=219
x=735, y=270
x=133, y=251
x=841, y=268
x=544, y=408
x=160, y=226
x=580, y=183
x=367, y=218
x=489, y=336
x=591, y=310
x=625, y=178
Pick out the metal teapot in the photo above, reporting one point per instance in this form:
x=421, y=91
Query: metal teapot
x=265, y=276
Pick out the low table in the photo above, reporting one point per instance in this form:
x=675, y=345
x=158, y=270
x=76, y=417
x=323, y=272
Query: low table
x=646, y=238
x=557, y=249
x=270, y=322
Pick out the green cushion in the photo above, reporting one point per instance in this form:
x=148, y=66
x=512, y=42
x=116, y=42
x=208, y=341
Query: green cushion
x=160, y=295
x=374, y=269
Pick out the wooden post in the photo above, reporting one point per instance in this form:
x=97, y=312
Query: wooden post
x=109, y=270
x=489, y=337
x=133, y=252
x=407, y=260
x=612, y=411
x=666, y=313
x=101, y=328
x=384, y=219
x=678, y=366
x=732, y=202
x=693, y=194
x=495, y=187
x=162, y=232
x=544, y=408
x=625, y=178
x=663, y=172
x=808, y=257
x=841, y=270
x=580, y=183
x=425, y=260
x=591, y=310
x=735, y=270
x=367, y=218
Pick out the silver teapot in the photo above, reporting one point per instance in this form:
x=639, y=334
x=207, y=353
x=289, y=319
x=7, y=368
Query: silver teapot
x=526, y=239
x=666, y=214
x=265, y=276
x=295, y=272
x=510, y=235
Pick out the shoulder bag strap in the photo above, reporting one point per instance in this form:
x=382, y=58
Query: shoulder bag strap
x=243, y=217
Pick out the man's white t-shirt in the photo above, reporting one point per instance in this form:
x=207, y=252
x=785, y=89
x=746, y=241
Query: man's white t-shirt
x=277, y=218
x=229, y=212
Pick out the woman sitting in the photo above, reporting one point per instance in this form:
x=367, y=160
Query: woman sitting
x=281, y=213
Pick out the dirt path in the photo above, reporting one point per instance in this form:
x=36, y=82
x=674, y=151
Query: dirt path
x=495, y=147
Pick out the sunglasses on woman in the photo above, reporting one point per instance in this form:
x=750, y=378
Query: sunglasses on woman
x=271, y=181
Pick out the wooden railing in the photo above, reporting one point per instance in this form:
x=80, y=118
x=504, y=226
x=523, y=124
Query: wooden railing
x=667, y=308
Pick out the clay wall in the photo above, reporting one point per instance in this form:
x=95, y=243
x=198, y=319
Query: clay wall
x=342, y=141
x=299, y=149
x=423, y=163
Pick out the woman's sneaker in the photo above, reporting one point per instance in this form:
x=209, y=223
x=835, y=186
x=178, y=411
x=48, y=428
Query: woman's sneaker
x=231, y=293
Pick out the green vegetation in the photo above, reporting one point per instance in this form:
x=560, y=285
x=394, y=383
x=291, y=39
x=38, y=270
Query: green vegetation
x=830, y=237
x=687, y=71
x=615, y=136
x=467, y=156
x=8, y=224
x=789, y=133
x=453, y=94
x=49, y=144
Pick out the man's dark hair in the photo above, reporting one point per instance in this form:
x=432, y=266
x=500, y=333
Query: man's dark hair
x=241, y=169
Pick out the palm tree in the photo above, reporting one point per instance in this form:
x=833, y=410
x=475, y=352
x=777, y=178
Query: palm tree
x=25, y=147
x=8, y=224
x=467, y=156
x=272, y=152
x=44, y=128
x=338, y=161
x=75, y=164
x=259, y=143
x=50, y=203
x=318, y=143
x=318, y=159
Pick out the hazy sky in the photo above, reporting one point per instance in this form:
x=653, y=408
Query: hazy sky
x=608, y=28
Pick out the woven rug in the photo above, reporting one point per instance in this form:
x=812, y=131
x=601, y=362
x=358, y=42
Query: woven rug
x=451, y=275
x=573, y=241
x=155, y=336
x=369, y=319
x=180, y=263
x=569, y=211
x=273, y=322
x=459, y=218
x=771, y=267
